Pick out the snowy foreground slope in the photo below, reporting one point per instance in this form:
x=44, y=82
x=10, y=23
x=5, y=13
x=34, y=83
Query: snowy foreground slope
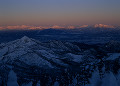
x=28, y=62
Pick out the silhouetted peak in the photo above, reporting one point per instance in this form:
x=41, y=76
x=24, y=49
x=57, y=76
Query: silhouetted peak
x=25, y=39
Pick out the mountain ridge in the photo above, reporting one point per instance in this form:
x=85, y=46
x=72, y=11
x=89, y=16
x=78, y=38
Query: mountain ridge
x=65, y=62
x=32, y=27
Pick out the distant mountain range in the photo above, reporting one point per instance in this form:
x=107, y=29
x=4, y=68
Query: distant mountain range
x=32, y=27
x=83, y=35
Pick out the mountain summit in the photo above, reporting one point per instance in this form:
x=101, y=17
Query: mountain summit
x=103, y=26
x=25, y=39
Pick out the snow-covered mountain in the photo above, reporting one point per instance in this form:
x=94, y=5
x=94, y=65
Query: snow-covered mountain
x=57, y=63
x=33, y=52
x=103, y=26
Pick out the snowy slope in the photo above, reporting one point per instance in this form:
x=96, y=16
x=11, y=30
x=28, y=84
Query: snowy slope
x=33, y=52
x=113, y=56
x=58, y=63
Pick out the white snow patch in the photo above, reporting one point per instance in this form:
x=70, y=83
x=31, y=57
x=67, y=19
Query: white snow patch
x=75, y=58
x=12, y=79
x=113, y=56
x=109, y=80
x=95, y=80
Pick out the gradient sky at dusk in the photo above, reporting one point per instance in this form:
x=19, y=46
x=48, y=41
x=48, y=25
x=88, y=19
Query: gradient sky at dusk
x=59, y=12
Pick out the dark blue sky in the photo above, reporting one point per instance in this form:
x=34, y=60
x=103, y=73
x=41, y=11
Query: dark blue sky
x=59, y=11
